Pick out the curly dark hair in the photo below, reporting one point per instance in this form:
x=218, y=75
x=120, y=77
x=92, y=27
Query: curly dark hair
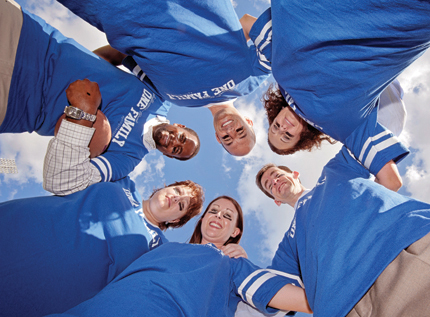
x=310, y=137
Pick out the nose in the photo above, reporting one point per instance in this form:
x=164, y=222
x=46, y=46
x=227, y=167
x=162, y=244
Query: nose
x=218, y=214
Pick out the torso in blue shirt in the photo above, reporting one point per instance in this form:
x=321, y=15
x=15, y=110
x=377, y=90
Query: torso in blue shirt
x=47, y=63
x=183, y=280
x=193, y=51
x=344, y=233
x=59, y=251
x=334, y=58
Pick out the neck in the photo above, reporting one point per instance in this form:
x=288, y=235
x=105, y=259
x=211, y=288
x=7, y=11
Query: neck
x=295, y=196
x=148, y=214
x=218, y=245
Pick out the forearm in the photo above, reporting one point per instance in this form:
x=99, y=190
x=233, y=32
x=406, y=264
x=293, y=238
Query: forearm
x=247, y=21
x=110, y=54
x=67, y=167
x=389, y=176
x=291, y=298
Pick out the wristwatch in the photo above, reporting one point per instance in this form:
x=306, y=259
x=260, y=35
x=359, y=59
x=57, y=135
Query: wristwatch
x=78, y=114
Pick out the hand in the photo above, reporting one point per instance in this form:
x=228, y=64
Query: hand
x=85, y=95
x=234, y=251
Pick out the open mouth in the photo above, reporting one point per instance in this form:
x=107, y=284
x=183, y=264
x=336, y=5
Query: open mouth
x=226, y=123
x=288, y=122
x=214, y=224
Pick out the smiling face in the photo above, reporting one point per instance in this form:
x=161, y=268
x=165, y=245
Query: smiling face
x=219, y=223
x=234, y=132
x=174, y=140
x=284, y=132
x=282, y=185
x=168, y=204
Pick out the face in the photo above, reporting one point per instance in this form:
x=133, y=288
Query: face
x=234, y=132
x=219, y=222
x=284, y=132
x=169, y=204
x=174, y=140
x=280, y=184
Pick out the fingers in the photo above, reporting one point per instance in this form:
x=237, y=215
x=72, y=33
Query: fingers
x=234, y=251
x=85, y=95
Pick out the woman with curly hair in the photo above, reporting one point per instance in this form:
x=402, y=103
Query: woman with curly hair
x=288, y=133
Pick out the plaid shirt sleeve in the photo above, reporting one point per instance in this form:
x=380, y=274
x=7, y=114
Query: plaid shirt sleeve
x=67, y=168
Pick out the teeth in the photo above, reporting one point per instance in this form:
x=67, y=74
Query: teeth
x=227, y=123
x=214, y=224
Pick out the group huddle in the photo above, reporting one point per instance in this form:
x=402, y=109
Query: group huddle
x=355, y=247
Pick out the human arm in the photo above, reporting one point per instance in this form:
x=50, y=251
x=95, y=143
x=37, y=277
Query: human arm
x=260, y=32
x=389, y=176
x=110, y=54
x=234, y=250
x=67, y=167
x=291, y=297
x=247, y=21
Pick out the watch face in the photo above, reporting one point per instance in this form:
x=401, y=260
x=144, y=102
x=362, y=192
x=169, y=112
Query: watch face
x=73, y=112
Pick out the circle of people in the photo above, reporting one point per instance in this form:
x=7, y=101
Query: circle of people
x=355, y=246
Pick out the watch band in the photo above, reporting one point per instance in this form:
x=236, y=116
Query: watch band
x=78, y=114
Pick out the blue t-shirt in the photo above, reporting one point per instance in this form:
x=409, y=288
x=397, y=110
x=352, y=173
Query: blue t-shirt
x=333, y=59
x=57, y=252
x=189, y=280
x=193, y=51
x=47, y=63
x=344, y=233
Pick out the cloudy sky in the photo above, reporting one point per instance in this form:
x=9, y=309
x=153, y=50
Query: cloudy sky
x=213, y=168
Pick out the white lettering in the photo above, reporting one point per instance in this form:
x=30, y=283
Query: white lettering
x=145, y=100
x=228, y=86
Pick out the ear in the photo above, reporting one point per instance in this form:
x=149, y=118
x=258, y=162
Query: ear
x=249, y=121
x=278, y=203
x=296, y=174
x=217, y=138
x=235, y=233
x=179, y=125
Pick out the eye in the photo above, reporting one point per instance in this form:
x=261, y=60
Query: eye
x=212, y=211
x=227, y=216
x=181, y=206
x=183, y=138
x=239, y=130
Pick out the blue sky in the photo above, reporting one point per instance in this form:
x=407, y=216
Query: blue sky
x=213, y=168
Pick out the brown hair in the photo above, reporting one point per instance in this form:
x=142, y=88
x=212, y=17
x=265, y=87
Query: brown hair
x=262, y=171
x=196, y=237
x=310, y=137
x=196, y=203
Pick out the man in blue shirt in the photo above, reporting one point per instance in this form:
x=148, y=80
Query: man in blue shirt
x=194, y=52
x=41, y=63
x=354, y=245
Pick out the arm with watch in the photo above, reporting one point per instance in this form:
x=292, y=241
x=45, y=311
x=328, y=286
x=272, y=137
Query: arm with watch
x=67, y=167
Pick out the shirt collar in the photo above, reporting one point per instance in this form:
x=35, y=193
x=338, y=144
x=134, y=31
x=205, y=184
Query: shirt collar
x=148, y=140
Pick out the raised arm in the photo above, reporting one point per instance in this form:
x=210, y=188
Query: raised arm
x=291, y=298
x=247, y=22
x=67, y=167
x=389, y=176
x=110, y=54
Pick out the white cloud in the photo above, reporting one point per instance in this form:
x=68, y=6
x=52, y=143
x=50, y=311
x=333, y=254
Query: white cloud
x=28, y=150
x=68, y=23
x=416, y=84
